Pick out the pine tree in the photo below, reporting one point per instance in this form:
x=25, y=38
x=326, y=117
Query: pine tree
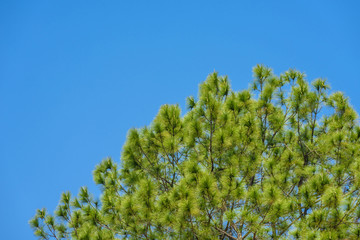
x=280, y=160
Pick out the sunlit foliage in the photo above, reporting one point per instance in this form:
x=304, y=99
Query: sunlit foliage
x=280, y=160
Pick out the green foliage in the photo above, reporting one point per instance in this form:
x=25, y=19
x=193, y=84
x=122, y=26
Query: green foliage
x=278, y=161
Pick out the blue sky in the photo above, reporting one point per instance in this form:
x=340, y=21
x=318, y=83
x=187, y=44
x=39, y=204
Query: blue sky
x=76, y=75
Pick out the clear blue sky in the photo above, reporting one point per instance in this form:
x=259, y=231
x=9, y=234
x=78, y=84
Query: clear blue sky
x=76, y=75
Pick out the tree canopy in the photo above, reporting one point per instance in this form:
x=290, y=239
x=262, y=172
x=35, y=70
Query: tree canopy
x=280, y=160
